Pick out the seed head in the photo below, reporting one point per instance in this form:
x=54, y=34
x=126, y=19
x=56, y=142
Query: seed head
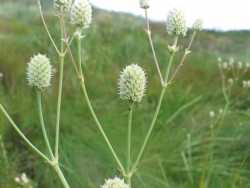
x=62, y=5
x=39, y=72
x=144, y=4
x=176, y=23
x=198, y=25
x=132, y=83
x=81, y=14
x=115, y=183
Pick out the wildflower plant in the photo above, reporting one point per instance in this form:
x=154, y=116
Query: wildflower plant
x=131, y=83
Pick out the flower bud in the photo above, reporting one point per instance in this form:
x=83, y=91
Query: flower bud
x=144, y=4
x=176, y=23
x=39, y=72
x=62, y=5
x=132, y=83
x=115, y=183
x=198, y=25
x=81, y=14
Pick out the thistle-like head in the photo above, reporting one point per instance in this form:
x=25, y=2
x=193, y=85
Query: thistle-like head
x=81, y=14
x=115, y=183
x=198, y=25
x=39, y=72
x=132, y=83
x=176, y=23
x=144, y=4
x=62, y=6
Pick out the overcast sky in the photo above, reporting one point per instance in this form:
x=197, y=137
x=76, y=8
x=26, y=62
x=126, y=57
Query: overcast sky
x=216, y=14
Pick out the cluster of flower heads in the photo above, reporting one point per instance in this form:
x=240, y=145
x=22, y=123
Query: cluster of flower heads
x=213, y=113
x=144, y=4
x=232, y=64
x=132, y=83
x=115, y=183
x=39, y=72
x=23, y=181
x=246, y=84
x=79, y=12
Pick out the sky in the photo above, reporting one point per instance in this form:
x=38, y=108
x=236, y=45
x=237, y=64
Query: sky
x=216, y=14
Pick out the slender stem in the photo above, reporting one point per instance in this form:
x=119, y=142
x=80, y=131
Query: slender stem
x=186, y=53
x=167, y=74
x=61, y=176
x=148, y=31
x=4, y=151
x=59, y=101
x=94, y=114
x=45, y=135
x=130, y=118
x=22, y=135
x=150, y=129
x=46, y=27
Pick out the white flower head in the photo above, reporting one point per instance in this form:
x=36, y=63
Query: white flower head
x=81, y=14
x=144, y=4
x=176, y=23
x=115, y=183
x=198, y=25
x=39, y=72
x=212, y=114
x=62, y=6
x=132, y=83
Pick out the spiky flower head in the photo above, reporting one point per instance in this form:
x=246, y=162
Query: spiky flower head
x=62, y=6
x=176, y=23
x=132, y=83
x=39, y=72
x=115, y=183
x=81, y=14
x=144, y=4
x=198, y=25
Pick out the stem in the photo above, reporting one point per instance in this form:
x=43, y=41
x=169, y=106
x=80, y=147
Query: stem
x=94, y=114
x=22, y=135
x=59, y=101
x=45, y=135
x=170, y=61
x=46, y=27
x=4, y=151
x=61, y=176
x=150, y=129
x=130, y=118
x=148, y=31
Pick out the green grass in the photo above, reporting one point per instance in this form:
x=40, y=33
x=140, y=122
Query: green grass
x=114, y=41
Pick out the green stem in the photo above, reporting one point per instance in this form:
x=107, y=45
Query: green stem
x=61, y=176
x=167, y=74
x=94, y=114
x=150, y=129
x=45, y=135
x=130, y=118
x=22, y=135
x=59, y=100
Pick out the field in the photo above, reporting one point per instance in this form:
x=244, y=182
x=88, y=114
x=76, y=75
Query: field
x=185, y=150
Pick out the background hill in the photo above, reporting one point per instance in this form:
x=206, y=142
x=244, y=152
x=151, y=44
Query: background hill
x=114, y=41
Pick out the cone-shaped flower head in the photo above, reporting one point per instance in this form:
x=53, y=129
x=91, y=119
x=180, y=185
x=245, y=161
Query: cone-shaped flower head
x=144, y=4
x=198, y=25
x=81, y=14
x=176, y=23
x=39, y=72
x=62, y=5
x=132, y=83
x=115, y=183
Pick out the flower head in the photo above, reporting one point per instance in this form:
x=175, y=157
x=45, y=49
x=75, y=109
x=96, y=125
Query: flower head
x=198, y=25
x=132, y=83
x=81, y=14
x=144, y=4
x=176, y=23
x=115, y=183
x=62, y=5
x=39, y=72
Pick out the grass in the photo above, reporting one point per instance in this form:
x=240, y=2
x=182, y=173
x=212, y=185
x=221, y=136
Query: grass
x=182, y=152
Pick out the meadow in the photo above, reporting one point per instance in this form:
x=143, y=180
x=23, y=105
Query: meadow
x=184, y=152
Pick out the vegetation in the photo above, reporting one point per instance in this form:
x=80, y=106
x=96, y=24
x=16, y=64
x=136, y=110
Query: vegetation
x=187, y=152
